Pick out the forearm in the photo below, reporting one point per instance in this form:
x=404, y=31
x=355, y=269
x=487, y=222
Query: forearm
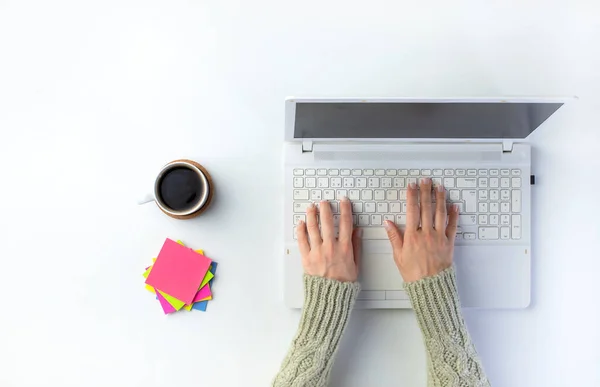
x=452, y=359
x=327, y=307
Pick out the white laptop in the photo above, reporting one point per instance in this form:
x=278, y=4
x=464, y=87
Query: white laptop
x=370, y=150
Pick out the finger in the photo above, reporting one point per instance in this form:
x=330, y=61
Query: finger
x=357, y=246
x=327, y=229
x=394, y=236
x=426, y=211
x=302, y=236
x=345, y=220
x=413, y=214
x=452, y=223
x=313, y=226
x=440, y=211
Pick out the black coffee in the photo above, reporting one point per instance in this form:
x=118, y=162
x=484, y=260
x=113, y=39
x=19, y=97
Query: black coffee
x=180, y=188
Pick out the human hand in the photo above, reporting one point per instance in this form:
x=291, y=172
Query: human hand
x=427, y=250
x=326, y=256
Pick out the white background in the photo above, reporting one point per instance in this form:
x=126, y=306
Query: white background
x=96, y=95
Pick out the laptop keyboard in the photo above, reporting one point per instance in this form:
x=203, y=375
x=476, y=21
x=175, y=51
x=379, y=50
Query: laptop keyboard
x=489, y=200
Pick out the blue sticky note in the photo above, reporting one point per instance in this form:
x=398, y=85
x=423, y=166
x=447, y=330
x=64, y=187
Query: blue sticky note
x=201, y=306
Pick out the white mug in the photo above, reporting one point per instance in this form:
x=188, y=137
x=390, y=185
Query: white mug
x=183, y=189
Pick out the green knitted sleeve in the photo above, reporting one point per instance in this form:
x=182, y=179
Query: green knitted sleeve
x=327, y=307
x=451, y=356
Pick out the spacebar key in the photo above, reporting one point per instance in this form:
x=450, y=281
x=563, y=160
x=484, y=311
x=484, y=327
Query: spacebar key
x=374, y=233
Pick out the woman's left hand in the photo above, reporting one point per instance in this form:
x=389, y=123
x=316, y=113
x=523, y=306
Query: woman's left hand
x=325, y=255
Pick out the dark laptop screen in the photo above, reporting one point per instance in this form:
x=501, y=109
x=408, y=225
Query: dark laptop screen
x=420, y=119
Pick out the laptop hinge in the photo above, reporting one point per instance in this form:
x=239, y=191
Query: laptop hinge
x=507, y=146
x=307, y=146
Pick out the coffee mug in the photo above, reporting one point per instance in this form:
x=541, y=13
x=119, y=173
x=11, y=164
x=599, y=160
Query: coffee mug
x=183, y=189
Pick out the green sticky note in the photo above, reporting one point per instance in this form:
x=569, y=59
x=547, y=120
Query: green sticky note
x=207, y=278
x=175, y=303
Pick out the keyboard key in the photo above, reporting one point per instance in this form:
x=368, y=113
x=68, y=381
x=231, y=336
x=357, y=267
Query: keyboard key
x=504, y=207
x=370, y=207
x=380, y=172
x=426, y=172
x=494, y=182
x=505, y=233
x=348, y=182
x=483, y=172
x=470, y=199
x=311, y=182
x=391, y=172
x=505, y=172
x=454, y=195
x=399, y=182
x=483, y=182
x=389, y=217
x=356, y=172
x=363, y=220
x=404, y=207
x=494, y=194
x=516, y=227
x=379, y=194
x=311, y=172
x=471, y=172
x=335, y=207
x=357, y=207
x=361, y=182
x=328, y=194
x=367, y=194
x=411, y=180
x=401, y=219
x=516, y=200
x=458, y=235
x=488, y=233
x=334, y=172
x=368, y=172
x=467, y=220
x=515, y=172
x=483, y=220
x=415, y=172
x=386, y=182
x=321, y=172
x=373, y=182
x=323, y=182
x=395, y=207
x=505, y=182
x=336, y=182
x=483, y=194
x=298, y=182
x=340, y=193
x=436, y=181
x=438, y=172
x=298, y=218
x=504, y=194
x=345, y=172
x=494, y=220
x=494, y=207
x=494, y=172
x=505, y=220
x=469, y=235
x=448, y=172
x=300, y=194
x=466, y=182
x=354, y=220
x=516, y=182
x=382, y=207
x=315, y=194
x=298, y=172
x=449, y=182
x=461, y=172
x=354, y=194
x=483, y=207
x=403, y=172
x=402, y=194
x=376, y=220
x=391, y=194
x=301, y=206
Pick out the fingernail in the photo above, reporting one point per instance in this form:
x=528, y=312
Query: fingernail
x=301, y=223
x=387, y=224
x=425, y=180
x=344, y=198
x=440, y=188
x=413, y=185
x=311, y=205
x=359, y=232
x=455, y=208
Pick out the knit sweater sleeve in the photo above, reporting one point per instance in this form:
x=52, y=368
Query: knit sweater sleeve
x=327, y=307
x=451, y=356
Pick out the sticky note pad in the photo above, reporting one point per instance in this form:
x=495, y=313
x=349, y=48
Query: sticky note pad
x=203, y=293
x=175, y=303
x=178, y=271
x=167, y=308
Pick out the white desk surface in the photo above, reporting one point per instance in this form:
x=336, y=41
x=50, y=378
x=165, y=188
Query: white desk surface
x=94, y=95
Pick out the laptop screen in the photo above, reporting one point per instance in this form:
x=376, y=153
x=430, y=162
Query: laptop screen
x=420, y=119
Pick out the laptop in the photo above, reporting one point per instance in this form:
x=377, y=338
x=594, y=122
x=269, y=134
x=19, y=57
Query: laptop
x=371, y=149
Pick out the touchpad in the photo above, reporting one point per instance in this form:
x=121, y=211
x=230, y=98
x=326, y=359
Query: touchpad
x=379, y=272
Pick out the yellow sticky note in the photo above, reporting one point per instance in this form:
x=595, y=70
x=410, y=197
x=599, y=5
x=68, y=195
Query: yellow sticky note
x=180, y=242
x=188, y=307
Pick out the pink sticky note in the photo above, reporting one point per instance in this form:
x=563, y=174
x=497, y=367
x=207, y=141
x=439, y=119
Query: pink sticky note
x=167, y=308
x=178, y=271
x=203, y=293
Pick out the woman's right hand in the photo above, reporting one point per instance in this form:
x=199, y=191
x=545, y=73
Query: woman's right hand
x=427, y=250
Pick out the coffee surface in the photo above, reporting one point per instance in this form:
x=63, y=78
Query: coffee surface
x=180, y=189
